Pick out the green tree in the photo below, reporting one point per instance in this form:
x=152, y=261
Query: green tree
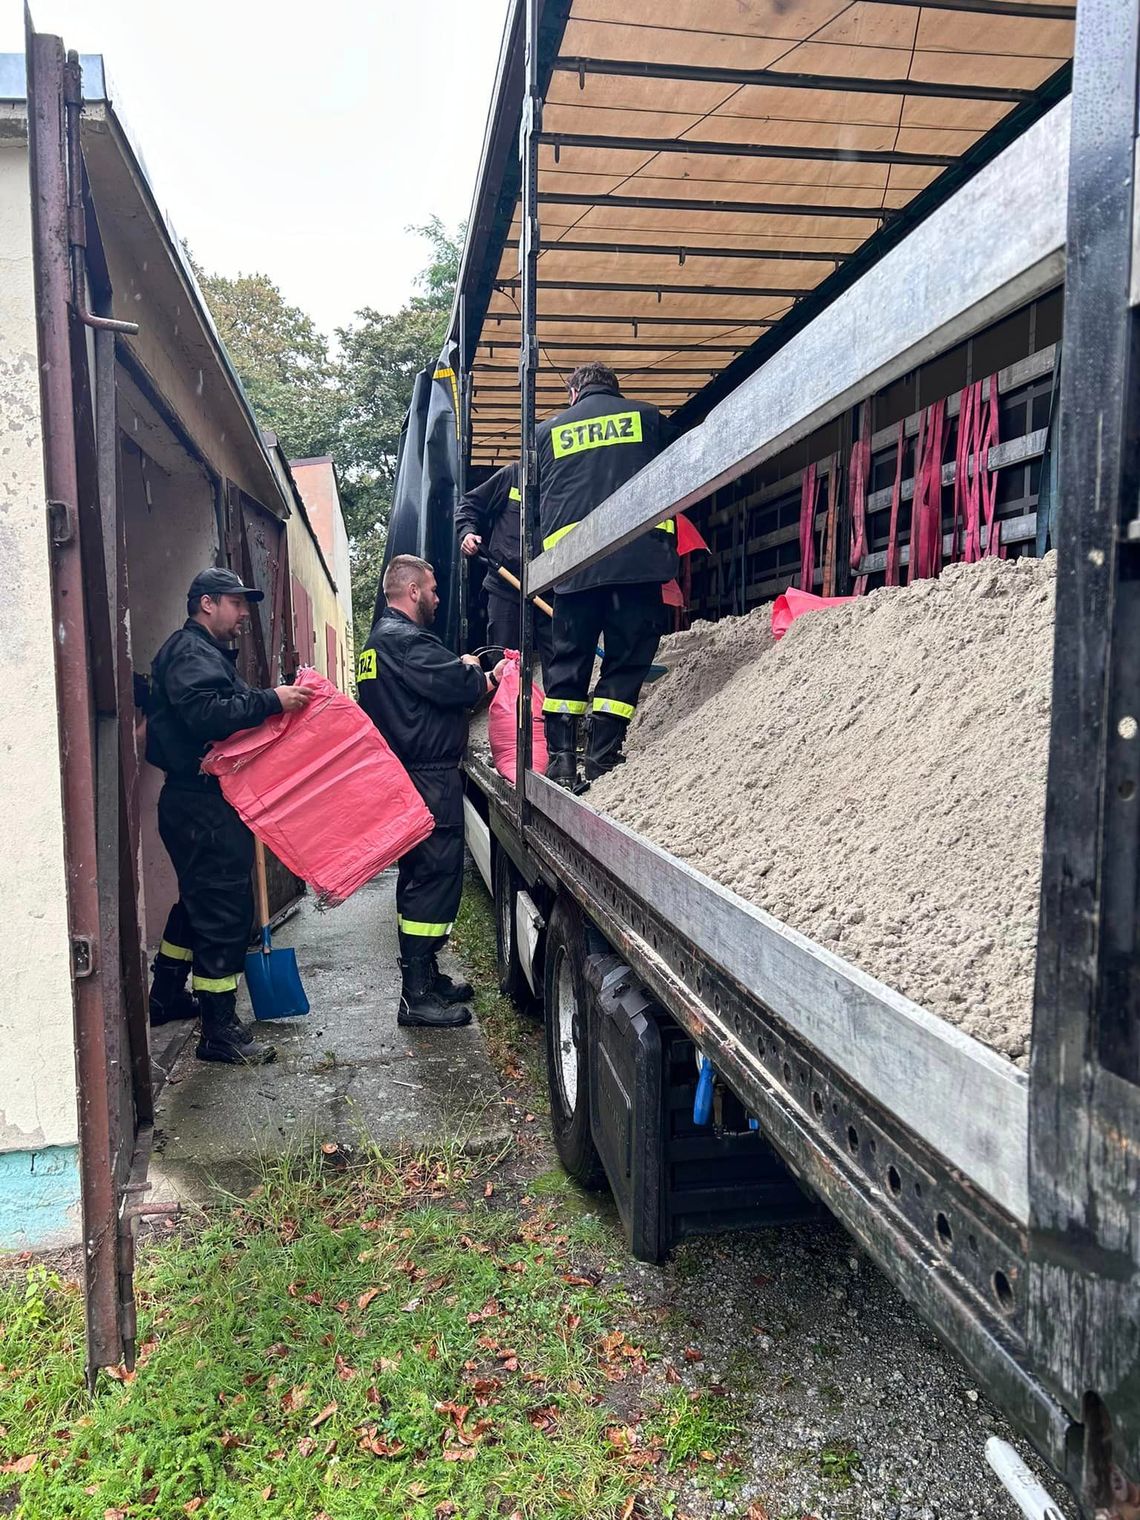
x=282, y=358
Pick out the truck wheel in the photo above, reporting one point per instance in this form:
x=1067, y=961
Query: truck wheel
x=512, y=977
x=567, y=1056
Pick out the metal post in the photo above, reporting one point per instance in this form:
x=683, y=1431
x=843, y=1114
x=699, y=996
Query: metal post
x=1084, y=1269
x=529, y=131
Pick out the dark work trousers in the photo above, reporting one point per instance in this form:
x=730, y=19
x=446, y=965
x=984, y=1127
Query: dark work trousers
x=212, y=854
x=504, y=632
x=629, y=620
x=429, y=883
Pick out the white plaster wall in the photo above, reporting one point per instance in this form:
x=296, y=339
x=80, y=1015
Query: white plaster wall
x=37, y=1061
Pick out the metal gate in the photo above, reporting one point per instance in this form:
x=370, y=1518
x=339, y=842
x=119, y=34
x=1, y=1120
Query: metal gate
x=98, y=760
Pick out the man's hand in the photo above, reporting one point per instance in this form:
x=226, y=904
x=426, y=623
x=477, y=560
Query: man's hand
x=471, y=544
x=293, y=698
x=470, y=659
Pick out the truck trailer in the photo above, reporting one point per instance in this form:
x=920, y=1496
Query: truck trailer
x=804, y=230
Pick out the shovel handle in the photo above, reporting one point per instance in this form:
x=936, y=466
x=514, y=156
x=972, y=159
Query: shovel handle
x=512, y=580
x=262, y=893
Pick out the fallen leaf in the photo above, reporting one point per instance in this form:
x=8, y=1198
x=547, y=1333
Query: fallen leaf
x=490, y=1310
x=528, y=1118
x=306, y=1446
x=459, y=1454
x=279, y=1349
x=326, y=1414
x=146, y=1351
x=756, y=1511
x=342, y=1307
x=314, y=1298
x=390, y=1363
x=229, y=1441
x=410, y=1307
x=489, y=1190
x=379, y=1445
x=691, y=1354
x=194, y=1505
x=114, y=1514
x=374, y=1396
x=294, y=1289
x=445, y=1508
x=343, y=1371
x=268, y=1492
x=544, y=1418
x=21, y=1464
x=708, y=1456
x=367, y=1296
x=627, y=1507
x=579, y=1280
x=330, y=1148
x=295, y=1399
x=120, y=1374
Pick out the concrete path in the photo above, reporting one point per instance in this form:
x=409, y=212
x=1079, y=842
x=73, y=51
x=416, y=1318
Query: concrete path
x=345, y=1073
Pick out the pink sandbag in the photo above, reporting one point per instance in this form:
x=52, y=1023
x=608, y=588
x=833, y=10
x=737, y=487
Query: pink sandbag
x=793, y=603
x=322, y=790
x=502, y=722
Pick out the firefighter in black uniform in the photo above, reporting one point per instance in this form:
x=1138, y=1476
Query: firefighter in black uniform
x=197, y=696
x=487, y=517
x=584, y=455
x=418, y=694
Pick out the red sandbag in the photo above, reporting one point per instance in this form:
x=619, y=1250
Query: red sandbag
x=793, y=603
x=502, y=722
x=322, y=790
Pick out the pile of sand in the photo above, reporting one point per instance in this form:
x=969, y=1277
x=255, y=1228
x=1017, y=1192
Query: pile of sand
x=876, y=780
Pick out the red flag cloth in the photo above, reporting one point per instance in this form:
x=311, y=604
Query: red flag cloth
x=322, y=790
x=792, y=603
x=503, y=722
x=689, y=538
x=807, y=529
x=671, y=594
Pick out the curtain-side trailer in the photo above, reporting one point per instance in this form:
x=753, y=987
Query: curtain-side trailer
x=1002, y=1203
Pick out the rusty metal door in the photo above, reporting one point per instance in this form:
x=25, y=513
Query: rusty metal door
x=98, y=760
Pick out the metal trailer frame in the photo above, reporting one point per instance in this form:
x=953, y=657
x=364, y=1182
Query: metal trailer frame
x=1012, y=1221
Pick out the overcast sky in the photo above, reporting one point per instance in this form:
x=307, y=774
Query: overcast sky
x=298, y=139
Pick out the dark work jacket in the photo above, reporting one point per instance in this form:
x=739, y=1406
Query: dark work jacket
x=418, y=694
x=198, y=697
x=492, y=511
x=584, y=455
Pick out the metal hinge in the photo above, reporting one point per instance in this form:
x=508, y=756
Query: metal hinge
x=61, y=522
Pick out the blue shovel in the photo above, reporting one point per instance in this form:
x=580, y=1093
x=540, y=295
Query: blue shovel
x=274, y=982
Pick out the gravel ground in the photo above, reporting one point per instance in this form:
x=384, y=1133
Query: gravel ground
x=848, y=1408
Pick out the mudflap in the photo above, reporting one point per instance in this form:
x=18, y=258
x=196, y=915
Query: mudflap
x=671, y=1178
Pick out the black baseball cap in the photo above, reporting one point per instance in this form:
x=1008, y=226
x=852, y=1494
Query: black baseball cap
x=220, y=582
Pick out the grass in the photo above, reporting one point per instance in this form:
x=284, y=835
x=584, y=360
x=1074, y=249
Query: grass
x=342, y=1344
x=409, y=1338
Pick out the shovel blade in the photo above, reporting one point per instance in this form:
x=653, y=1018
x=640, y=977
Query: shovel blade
x=275, y=988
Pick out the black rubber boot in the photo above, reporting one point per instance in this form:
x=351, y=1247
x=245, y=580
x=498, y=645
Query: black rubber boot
x=420, y=1005
x=446, y=989
x=225, y=1038
x=603, y=746
x=169, y=997
x=561, y=748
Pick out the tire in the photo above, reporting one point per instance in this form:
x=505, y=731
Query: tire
x=567, y=1055
x=512, y=977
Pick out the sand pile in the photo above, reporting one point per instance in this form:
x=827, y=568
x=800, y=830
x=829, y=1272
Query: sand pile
x=876, y=780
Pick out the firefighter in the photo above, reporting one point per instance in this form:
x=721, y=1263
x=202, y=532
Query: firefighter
x=197, y=696
x=489, y=515
x=584, y=455
x=418, y=694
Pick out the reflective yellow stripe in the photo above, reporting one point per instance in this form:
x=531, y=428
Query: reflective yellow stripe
x=366, y=665
x=514, y=494
x=596, y=433
x=619, y=709
x=429, y=931
x=561, y=705
x=548, y=543
x=668, y=526
x=175, y=952
x=214, y=983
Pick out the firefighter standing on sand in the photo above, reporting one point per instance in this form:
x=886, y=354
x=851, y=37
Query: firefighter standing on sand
x=197, y=697
x=584, y=455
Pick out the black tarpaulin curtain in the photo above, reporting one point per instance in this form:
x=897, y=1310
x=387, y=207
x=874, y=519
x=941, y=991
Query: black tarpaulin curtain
x=422, y=519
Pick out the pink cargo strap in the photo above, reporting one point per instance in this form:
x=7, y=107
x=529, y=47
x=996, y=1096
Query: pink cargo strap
x=892, y=577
